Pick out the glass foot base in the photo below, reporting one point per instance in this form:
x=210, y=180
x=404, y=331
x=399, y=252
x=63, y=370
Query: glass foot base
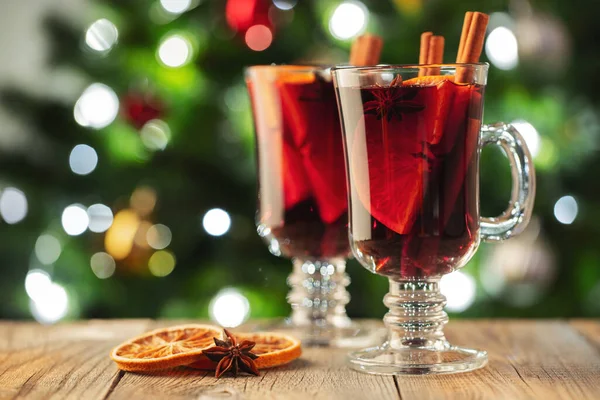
x=384, y=360
x=354, y=334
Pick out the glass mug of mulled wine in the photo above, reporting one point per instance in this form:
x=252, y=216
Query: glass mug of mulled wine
x=302, y=202
x=412, y=148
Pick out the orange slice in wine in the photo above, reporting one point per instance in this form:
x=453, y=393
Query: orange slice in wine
x=388, y=170
x=437, y=103
x=295, y=74
x=165, y=348
x=312, y=129
x=296, y=186
x=272, y=349
x=428, y=80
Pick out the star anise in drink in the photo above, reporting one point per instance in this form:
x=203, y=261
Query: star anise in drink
x=232, y=356
x=393, y=101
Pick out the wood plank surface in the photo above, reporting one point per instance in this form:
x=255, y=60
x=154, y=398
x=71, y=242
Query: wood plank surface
x=528, y=360
x=61, y=361
x=319, y=374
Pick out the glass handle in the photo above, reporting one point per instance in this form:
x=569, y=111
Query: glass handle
x=516, y=217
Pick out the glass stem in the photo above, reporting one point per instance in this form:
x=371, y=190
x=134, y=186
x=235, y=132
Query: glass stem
x=319, y=296
x=416, y=317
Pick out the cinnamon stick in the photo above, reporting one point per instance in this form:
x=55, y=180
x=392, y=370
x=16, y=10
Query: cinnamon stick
x=473, y=44
x=435, y=54
x=464, y=34
x=424, y=51
x=366, y=50
x=475, y=38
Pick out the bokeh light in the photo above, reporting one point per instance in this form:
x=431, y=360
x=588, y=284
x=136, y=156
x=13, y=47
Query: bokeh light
x=502, y=49
x=37, y=282
x=566, y=209
x=83, y=159
x=161, y=263
x=13, y=205
x=459, y=289
x=101, y=36
x=349, y=19
x=143, y=200
x=100, y=217
x=258, y=37
x=176, y=6
x=75, y=219
x=141, y=236
x=175, y=51
x=103, y=265
x=47, y=249
x=159, y=236
x=285, y=4
x=229, y=308
x=530, y=134
x=155, y=134
x=97, y=106
x=50, y=305
x=118, y=240
x=216, y=222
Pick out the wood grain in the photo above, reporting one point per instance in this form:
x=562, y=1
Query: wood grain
x=319, y=374
x=62, y=361
x=528, y=360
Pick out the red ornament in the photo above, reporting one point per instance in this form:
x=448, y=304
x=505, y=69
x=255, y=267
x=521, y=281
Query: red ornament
x=138, y=109
x=242, y=14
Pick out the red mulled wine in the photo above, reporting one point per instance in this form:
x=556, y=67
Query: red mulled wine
x=302, y=210
x=413, y=172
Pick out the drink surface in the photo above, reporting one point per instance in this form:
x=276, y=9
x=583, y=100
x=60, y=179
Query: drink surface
x=302, y=210
x=413, y=172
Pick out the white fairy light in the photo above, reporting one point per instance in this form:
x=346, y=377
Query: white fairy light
x=216, y=222
x=83, y=159
x=566, y=209
x=100, y=218
x=97, y=106
x=175, y=51
x=285, y=4
x=159, y=236
x=47, y=249
x=502, y=49
x=103, y=265
x=155, y=134
x=176, y=6
x=75, y=219
x=13, y=205
x=37, y=282
x=348, y=20
x=101, y=36
x=229, y=308
x=50, y=305
x=530, y=134
x=459, y=289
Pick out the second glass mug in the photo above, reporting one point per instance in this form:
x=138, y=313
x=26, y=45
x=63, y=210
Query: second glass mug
x=302, y=205
x=412, y=148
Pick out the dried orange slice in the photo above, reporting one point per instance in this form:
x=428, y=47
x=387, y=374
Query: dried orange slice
x=428, y=80
x=165, y=348
x=272, y=349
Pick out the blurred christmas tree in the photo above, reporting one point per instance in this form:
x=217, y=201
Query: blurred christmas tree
x=138, y=198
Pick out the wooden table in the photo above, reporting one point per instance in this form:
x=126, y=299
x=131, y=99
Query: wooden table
x=528, y=359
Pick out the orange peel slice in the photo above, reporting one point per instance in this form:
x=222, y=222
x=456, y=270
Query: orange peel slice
x=273, y=349
x=165, y=347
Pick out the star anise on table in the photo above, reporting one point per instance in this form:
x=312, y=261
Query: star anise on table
x=393, y=101
x=232, y=356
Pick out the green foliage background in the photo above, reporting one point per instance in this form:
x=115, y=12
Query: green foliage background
x=209, y=161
